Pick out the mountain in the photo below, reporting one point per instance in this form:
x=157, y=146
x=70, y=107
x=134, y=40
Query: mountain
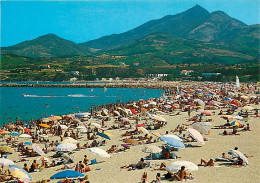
x=48, y=45
x=165, y=49
x=195, y=23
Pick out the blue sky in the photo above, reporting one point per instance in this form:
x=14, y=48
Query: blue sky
x=80, y=21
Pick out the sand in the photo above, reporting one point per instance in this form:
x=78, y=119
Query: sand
x=108, y=170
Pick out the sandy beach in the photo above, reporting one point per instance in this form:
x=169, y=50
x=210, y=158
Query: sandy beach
x=108, y=169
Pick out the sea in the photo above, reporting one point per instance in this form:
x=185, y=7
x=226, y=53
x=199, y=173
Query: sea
x=25, y=103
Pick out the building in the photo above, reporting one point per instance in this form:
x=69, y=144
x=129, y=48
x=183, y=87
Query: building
x=157, y=76
x=186, y=72
x=75, y=73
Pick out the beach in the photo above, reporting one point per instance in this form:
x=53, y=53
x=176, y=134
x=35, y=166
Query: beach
x=108, y=169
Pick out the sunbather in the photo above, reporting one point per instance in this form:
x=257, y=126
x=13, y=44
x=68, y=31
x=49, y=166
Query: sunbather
x=204, y=163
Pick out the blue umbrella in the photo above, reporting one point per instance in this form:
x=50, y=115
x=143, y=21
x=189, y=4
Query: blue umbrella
x=104, y=135
x=226, y=99
x=173, y=142
x=67, y=174
x=20, y=168
x=28, y=143
x=14, y=133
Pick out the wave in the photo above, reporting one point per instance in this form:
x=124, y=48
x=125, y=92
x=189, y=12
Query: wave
x=80, y=95
x=47, y=96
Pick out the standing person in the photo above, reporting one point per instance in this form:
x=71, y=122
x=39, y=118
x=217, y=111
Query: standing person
x=144, y=178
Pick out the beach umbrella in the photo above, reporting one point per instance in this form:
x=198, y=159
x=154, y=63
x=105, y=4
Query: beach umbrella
x=19, y=174
x=116, y=113
x=133, y=111
x=25, y=136
x=44, y=136
x=27, y=143
x=167, y=106
x=6, y=149
x=27, y=130
x=66, y=147
x=58, y=117
x=208, y=113
x=6, y=162
x=157, y=134
x=152, y=103
x=108, y=134
x=158, y=118
x=196, y=135
x=69, y=140
x=52, y=118
x=236, y=153
x=248, y=108
x=104, y=135
x=237, y=123
x=37, y=149
x=46, y=120
x=130, y=141
x=200, y=128
x=237, y=117
x=14, y=133
x=64, y=127
x=67, y=174
x=200, y=102
x=80, y=127
x=235, y=102
x=143, y=130
x=152, y=149
x=140, y=125
x=176, y=166
x=172, y=136
x=173, y=142
x=210, y=103
x=42, y=158
x=4, y=132
x=226, y=99
x=99, y=151
x=96, y=125
x=15, y=167
x=44, y=125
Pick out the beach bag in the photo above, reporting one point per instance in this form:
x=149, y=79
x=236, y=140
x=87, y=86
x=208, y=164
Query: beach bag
x=93, y=161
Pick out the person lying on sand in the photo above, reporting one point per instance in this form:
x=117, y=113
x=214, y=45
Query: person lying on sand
x=204, y=163
x=65, y=167
x=140, y=165
x=113, y=149
x=162, y=166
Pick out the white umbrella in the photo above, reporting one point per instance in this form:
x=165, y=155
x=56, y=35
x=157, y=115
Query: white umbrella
x=152, y=149
x=66, y=147
x=237, y=117
x=196, y=135
x=37, y=149
x=173, y=136
x=99, y=151
x=25, y=136
x=64, y=127
x=200, y=128
x=6, y=162
x=69, y=140
x=236, y=153
x=248, y=108
x=143, y=130
x=176, y=166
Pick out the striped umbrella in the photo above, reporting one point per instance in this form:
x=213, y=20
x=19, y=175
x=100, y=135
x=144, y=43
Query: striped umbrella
x=237, y=123
x=37, y=149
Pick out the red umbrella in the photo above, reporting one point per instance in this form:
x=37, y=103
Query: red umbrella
x=140, y=125
x=133, y=111
x=27, y=130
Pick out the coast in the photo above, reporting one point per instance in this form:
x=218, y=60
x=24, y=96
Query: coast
x=173, y=110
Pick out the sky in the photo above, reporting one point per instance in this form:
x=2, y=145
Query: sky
x=85, y=20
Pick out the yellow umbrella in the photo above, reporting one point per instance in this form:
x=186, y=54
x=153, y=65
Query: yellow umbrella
x=6, y=149
x=19, y=174
x=108, y=134
x=44, y=125
x=57, y=117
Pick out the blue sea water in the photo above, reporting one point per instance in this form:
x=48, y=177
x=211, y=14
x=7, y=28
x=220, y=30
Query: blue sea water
x=41, y=102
